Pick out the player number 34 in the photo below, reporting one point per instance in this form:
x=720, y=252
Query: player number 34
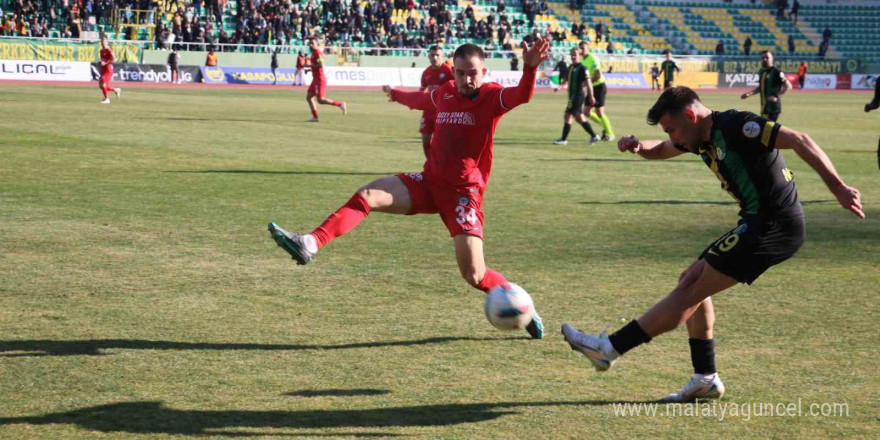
x=466, y=215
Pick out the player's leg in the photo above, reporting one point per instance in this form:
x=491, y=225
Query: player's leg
x=388, y=194
x=587, y=127
x=103, y=87
x=875, y=103
x=322, y=88
x=310, y=98
x=566, y=128
x=472, y=265
x=700, y=282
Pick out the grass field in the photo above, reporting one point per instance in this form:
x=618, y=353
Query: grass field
x=141, y=297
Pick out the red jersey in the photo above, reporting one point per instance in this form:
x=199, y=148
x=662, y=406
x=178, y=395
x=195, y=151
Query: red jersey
x=317, y=63
x=107, y=57
x=300, y=62
x=461, y=145
x=433, y=78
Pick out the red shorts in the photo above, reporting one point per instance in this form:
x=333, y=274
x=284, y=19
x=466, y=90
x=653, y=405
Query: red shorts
x=426, y=126
x=459, y=208
x=318, y=87
x=106, y=76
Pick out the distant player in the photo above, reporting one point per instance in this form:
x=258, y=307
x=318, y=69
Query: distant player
x=596, y=82
x=802, y=74
x=873, y=105
x=669, y=68
x=655, y=78
x=579, y=92
x=107, y=60
x=773, y=84
x=456, y=173
x=437, y=74
x=300, y=70
x=319, y=83
x=742, y=149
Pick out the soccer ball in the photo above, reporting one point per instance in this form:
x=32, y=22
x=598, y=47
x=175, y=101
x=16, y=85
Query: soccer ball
x=509, y=307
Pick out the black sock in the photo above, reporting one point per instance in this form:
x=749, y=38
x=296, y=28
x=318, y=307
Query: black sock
x=565, y=130
x=703, y=355
x=589, y=128
x=628, y=337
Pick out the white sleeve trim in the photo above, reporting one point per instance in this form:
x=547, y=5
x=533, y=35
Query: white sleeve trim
x=501, y=98
x=432, y=97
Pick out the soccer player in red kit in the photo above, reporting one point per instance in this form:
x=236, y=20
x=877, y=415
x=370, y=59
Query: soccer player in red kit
x=437, y=74
x=107, y=60
x=319, y=83
x=456, y=173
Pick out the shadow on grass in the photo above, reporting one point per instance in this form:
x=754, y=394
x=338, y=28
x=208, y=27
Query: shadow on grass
x=690, y=202
x=308, y=173
x=93, y=347
x=151, y=417
x=338, y=392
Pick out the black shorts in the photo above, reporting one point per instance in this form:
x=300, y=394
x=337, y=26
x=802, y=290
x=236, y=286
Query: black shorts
x=599, y=92
x=575, y=104
x=745, y=252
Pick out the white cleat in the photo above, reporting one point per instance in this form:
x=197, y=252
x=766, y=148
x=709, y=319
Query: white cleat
x=594, y=139
x=118, y=92
x=106, y=101
x=560, y=142
x=344, y=108
x=314, y=120
x=597, y=349
x=700, y=387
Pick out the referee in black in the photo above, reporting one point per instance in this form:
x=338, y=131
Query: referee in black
x=578, y=93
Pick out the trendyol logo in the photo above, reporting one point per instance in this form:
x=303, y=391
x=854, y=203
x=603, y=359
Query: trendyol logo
x=456, y=118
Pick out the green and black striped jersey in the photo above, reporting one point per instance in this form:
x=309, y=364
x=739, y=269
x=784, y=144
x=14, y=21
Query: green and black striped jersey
x=771, y=81
x=742, y=153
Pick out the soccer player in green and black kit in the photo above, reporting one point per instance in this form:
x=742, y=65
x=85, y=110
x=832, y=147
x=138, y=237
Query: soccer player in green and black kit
x=595, y=84
x=577, y=95
x=742, y=149
x=873, y=105
x=669, y=68
x=772, y=86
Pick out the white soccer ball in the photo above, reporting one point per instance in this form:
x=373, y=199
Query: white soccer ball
x=509, y=307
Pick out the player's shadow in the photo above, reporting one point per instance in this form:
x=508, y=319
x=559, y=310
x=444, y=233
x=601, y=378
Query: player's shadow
x=688, y=202
x=307, y=173
x=152, y=417
x=94, y=347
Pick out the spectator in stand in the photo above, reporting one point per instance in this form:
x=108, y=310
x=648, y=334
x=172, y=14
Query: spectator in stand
x=599, y=29
x=719, y=48
x=795, y=7
x=790, y=45
x=747, y=46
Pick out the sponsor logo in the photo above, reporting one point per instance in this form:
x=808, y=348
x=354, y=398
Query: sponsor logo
x=463, y=201
x=447, y=96
x=415, y=176
x=33, y=68
x=456, y=118
x=741, y=229
x=214, y=74
x=751, y=130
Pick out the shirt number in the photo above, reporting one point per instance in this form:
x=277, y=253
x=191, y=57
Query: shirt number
x=466, y=215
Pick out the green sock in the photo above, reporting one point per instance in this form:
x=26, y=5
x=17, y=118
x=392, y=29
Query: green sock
x=595, y=118
x=606, y=124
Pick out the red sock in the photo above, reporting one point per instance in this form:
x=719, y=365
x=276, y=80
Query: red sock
x=104, y=91
x=342, y=221
x=337, y=103
x=490, y=280
x=315, y=114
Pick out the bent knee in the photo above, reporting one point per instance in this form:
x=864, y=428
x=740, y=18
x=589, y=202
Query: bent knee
x=471, y=275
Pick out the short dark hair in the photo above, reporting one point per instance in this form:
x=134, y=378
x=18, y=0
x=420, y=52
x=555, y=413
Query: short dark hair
x=766, y=51
x=466, y=51
x=435, y=47
x=673, y=101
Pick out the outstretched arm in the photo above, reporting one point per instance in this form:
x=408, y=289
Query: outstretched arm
x=414, y=100
x=654, y=149
x=532, y=58
x=848, y=197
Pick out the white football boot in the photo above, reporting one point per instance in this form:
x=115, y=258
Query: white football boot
x=700, y=387
x=597, y=349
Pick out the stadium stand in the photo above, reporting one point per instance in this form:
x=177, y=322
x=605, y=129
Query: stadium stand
x=629, y=26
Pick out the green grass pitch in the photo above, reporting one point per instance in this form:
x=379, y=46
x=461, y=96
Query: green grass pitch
x=141, y=297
